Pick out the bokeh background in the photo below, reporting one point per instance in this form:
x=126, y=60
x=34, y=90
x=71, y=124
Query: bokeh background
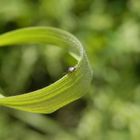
x=110, y=32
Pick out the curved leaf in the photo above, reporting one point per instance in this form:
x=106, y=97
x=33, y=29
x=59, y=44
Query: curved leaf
x=69, y=88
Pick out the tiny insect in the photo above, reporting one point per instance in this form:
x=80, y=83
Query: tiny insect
x=71, y=69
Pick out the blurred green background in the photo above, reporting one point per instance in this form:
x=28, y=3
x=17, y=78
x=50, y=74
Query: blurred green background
x=110, y=32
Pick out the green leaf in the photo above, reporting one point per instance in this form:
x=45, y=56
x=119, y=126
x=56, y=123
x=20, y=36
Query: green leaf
x=67, y=89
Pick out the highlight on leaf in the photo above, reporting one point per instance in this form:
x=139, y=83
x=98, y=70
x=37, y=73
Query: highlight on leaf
x=67, y=89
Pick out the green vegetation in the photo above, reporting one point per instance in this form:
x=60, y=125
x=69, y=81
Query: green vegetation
x=69, y=88
x=109, y=30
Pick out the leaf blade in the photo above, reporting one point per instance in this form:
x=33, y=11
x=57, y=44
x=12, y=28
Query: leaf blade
x=69, y=88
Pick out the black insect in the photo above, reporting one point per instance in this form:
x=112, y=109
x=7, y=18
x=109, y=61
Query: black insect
x=71, y=69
